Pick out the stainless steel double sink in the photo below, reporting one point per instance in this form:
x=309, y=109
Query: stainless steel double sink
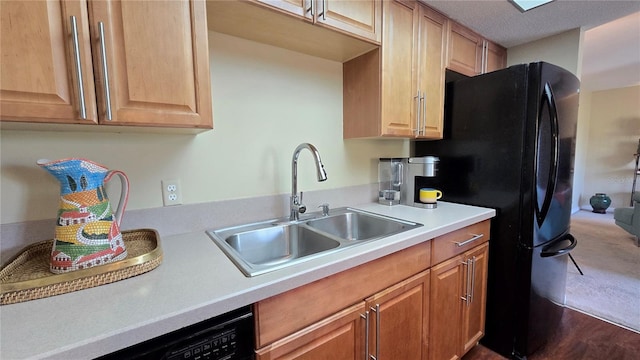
x=260, y=247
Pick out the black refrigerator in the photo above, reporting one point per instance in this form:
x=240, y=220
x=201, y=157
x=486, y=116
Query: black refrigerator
x=509, y=145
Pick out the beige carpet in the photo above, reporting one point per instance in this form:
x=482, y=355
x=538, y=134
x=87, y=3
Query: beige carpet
x=610, y=261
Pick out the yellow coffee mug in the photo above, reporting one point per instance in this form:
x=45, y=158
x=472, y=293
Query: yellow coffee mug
x=430, y=196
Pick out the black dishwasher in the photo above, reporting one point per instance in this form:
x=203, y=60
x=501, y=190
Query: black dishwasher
x=225, y=337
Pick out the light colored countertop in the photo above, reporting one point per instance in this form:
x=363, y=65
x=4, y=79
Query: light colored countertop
x=195, y=281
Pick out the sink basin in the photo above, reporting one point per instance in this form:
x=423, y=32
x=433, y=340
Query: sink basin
x=359, y=226
x=260, y=247
x=277, y=244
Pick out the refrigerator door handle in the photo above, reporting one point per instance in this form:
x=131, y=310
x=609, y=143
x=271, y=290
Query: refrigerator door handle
x=558, y=247
x=541, y=214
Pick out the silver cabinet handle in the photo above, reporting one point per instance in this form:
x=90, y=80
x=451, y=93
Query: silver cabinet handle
x=310, y=9
x=417, y=129
x=485, y=54
x=365, y=316
x=76, y=50
x=423, y=118
x=377, y=311
x=473, y=280
x=469, y=280
x=464, y=296
x=474, y=238
x=105, y=71
x=324, y=15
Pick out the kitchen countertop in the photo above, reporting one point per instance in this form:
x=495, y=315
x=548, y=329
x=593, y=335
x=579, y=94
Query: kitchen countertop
x=195, y=281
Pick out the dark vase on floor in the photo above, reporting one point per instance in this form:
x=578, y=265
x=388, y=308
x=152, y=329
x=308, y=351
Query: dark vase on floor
x=600, y=202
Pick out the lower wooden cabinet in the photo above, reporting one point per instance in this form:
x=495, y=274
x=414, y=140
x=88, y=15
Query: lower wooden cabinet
x=399, y=319
x=287, y=313
x=473, y=313
x=392, y=324
x=458, y=299
x=396, y=307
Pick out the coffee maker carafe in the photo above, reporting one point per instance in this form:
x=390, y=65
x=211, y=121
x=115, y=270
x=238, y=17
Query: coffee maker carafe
x=390, y=179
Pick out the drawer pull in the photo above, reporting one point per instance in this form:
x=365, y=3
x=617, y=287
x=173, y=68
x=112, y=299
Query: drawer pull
x=474, y=238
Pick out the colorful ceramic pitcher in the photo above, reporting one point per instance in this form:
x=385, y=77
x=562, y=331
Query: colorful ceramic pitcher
x=88, y=231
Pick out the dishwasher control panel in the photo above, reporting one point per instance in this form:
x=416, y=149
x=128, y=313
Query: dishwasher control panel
x=219, y=346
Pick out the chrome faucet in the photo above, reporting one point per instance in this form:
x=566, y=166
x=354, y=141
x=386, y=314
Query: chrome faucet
x=296, y=202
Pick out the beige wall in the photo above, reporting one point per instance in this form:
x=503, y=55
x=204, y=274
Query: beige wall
x=564, y=50
x=582, y=142
x=613, y=134
x=266, y=101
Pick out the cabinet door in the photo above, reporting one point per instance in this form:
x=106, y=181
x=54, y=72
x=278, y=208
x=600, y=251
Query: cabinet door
x=447, y=281
x=474, y=310
x=399, y=83
x=38, y=67
x=495, y=57
x=360, y=17
x=432, y=44
x=338, y=337
x=157, y=62
x=465, y=50
x=295, y=7
x=401, y=314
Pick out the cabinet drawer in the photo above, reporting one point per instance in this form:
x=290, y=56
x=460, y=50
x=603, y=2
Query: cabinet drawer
x=447, y=246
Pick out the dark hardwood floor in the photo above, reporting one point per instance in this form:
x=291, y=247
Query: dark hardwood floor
x=580, y=337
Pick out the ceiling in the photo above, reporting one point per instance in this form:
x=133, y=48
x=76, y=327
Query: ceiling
x=611, y=47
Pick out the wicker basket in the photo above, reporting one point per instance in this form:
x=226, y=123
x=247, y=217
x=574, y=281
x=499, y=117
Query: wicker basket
x=27, y=276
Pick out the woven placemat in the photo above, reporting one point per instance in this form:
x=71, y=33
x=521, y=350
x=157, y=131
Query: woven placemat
x=27, y=276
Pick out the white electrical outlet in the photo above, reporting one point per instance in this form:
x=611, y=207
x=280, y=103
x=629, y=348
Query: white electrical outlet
x=171, y=192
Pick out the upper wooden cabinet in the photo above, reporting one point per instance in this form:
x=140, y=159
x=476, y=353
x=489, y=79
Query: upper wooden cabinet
x=465, y=50
x=40, y=80
x=470, y=54
x=431, y=64
x=337, y=30
x=361, y=18
x=157, y=56
x=398, y=90
x=141, y=63
x=495, y=57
